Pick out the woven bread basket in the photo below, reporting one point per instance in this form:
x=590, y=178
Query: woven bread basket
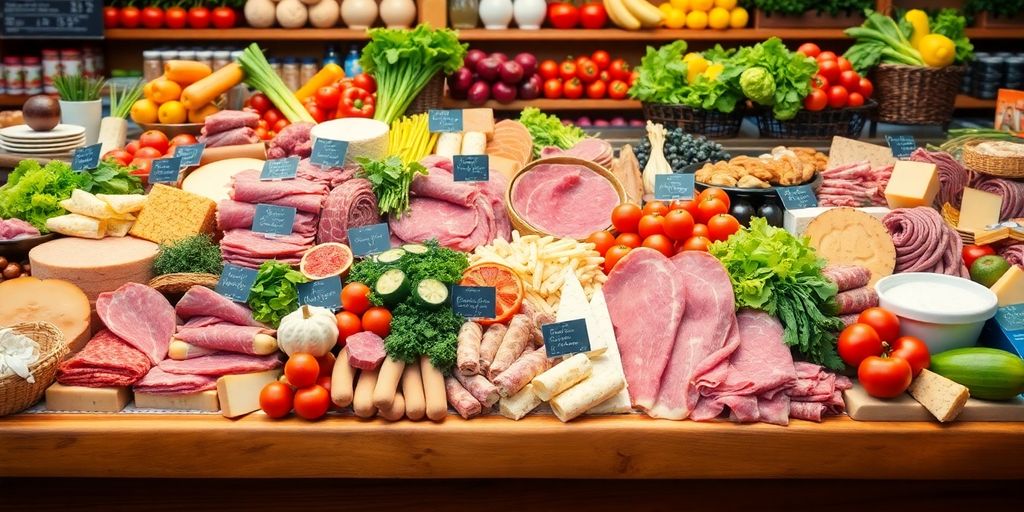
x=1000, y=166
x=178, y=283
x=16, y=393
x=916, y=94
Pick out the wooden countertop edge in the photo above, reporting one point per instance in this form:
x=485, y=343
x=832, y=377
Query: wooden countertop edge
x=537, y=447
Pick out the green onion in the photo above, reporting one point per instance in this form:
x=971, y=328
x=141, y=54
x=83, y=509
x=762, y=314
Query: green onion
x=121, y=103
x=259, y=75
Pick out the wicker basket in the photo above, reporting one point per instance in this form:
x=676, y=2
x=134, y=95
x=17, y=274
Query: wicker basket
x=823, y=124
x=1000, y=166
x=524, y=227
x=916, y=94
x=17, y=394
x=429, y=98
x=710, y=123
x=178, y=283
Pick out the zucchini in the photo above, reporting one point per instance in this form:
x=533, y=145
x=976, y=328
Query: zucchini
x=416, y=248
x=392, y=286
x=431, y=293
x=390, y=256
x=989, y=374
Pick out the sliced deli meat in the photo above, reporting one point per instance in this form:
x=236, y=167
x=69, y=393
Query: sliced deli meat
x=219, y=364
x=303, y=195
x=565, y=200
x=202, y=302
x=106, y=361
x=158, y=382
x=139, y=315
x=365, y=350
x=350, y=205
x=238, y=215
x=924, y=242
x=593, y=149
x=229, y=338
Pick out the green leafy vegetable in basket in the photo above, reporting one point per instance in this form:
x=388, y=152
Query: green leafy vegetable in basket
x=950, y=23
x=881, y=40
x=790, y=74
x=548, y=130
x=195, y=254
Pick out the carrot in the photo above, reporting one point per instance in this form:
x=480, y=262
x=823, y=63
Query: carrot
x=328, y=75
x=206, y=90
x=186, y=72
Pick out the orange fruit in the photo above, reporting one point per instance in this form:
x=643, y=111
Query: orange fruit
x=508, y=289
x=172, y=112
x=144, y=111
x=165, y=90
x=200, y=115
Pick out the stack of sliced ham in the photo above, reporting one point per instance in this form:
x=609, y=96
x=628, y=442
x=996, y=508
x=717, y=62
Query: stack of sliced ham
x=230, y=128
x=854, y=185
x=460, y=215
x=816, y=393
x=294, y=140
x=593, y=149
x=854, y=293
x=350, y=204
x=13, y=229
x=106, y=361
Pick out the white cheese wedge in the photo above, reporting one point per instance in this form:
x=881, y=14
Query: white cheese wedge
x=240, y=394
x=124, y=203
x=85, y=203
x=574, y=306
x=80, y=398
x=520, y=404
x=942, y=397
x=610, y=362
x=77, y=225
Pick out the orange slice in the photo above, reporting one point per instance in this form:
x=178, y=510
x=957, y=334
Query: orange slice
x=508, y=288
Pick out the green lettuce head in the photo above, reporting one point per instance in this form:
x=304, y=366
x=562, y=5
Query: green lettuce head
x=758, y=85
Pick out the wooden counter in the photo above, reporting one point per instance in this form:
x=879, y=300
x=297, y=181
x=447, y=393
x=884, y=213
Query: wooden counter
x=142, y=445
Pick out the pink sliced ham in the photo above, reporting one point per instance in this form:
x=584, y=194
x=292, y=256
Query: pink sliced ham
x=816, y=392
x=13, y=229
x=593, y=149
x=365, y=350
x=200, y=301
x=201, y=321
x=158, y=381
x=351, y=204
x=226, y=120
x=106, y=361
x=237, y=215
x=216, y=365
x=139, y=315
x=249, y=249
x=570, y=201
x=226, y=337
x=304, y=195
x=330, y=176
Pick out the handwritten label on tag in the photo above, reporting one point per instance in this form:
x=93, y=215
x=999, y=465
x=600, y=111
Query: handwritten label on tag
x=474, y=301
x=444, y=121
x=325, y=293
x=86, y=158
x=669, y=187
x=367, y=240
x=280, y=169
x=471, y=168
x=273, y=220
x=329, y=152
x=795, y=198
x=569, y=337
x=190, y=155
x=165, y=170
x=236, y=282
x=901, y=145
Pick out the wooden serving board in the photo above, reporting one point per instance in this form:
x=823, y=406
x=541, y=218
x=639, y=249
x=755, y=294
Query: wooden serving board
x=863, y=407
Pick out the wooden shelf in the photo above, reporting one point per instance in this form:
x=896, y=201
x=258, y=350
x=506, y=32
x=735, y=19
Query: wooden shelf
x=995, y=33
x=614, y=34
x=12, y=100
x=236, y=34
x=199, y=446
x=547, y=104
x=965, y=101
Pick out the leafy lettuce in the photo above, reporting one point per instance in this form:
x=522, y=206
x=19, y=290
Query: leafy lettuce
x=33, y=192
x=792, y=72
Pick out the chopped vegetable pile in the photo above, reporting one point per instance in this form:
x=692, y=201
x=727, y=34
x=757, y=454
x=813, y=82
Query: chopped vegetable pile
x=391, y=180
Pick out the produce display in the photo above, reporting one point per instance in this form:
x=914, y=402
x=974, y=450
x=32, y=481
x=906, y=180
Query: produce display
x=595, y=76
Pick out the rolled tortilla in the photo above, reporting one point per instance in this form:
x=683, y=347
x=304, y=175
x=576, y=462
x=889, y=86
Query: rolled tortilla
x=520, y=404
x=580, y=398
x=562, y=376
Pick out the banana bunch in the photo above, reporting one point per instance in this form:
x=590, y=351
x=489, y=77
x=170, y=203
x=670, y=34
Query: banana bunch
x=633, y=14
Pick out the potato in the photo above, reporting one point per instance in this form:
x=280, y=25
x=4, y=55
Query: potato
x=259, y=13
x=292, y=14
x=324, y=14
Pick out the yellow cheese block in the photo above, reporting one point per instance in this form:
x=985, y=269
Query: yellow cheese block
x=478, y=120
x=240, y=394
x=979, y=209
x=1009, y=289
x=507, y=167
x=912, y=184
x=95, y=266
x=80, y=398
x=202, y=401
x=171, y=214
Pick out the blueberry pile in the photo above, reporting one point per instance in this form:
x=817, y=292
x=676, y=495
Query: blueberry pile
x=682, y=149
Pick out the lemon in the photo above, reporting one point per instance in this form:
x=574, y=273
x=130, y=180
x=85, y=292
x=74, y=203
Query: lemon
x=714, y=70
x=682, y=5
x=665, y=9
x=675, y=18
x=697, y=20
x=172, y=112
x=144, y=111
x=725, y=4
x=701, y=5
x=718, y=18
x=738, y=18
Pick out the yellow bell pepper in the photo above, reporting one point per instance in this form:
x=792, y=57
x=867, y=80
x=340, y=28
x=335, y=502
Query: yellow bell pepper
x=937, y=51
x=695, y=65
x=714, y=70
x=919, y=20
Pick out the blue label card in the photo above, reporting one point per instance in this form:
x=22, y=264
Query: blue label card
x=86, y=158
x=669, y=187
x=165, y=170
x=901, y=145
x=273, y=220
x=325, y=293
x=563, y=338
x=329, y=152
x=1011, y=318
x=472, y=168
x=190, y=155
x=367, y=240
x=795, y=198
x=440, y=121
x=474, y=301
x=236, y=282
x=280, y=169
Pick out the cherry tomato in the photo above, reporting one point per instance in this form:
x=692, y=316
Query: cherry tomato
x=689, y=205
x=856, y=99
x=142, y=165
x=563, y=15
x=260, y=102
x=857, y=342
x=132, y=147
x=631, y=240
x=155, y=139
x=301, y=370
x=884, y=322
x=548, y=69
x=701, y=230
x=355, y=297
x=593, y=16
x=655, y=208
x=119, y=155
x=553, y=88
x=325, y=382
x=365, y=82
x=148, y=152
x=710, y=207
x=828, y=69
x=971, y=253
x=866, y=88
x=586, y=70
x=573, y=89
x=660, y=243
x=175, y=17
x=613, y=256
x=312, y=402
x=619, y=70
x=722, y=226
x=850, y=80
x=319, y=115
x=348, y=324
x=281, y=124
x=378, y=321
x=837, y=96
x=602, y=240
x=262, y=133
x=678, y=224
x=326, y=363
x=697, y=243
x=129, y=17
x=273, y=115
x=816, y=100
x=328, y=97
x=223, y=17
x=844, y=65
x=567, y=70
x=912, y=350
x=276, y=399
x=617, y=89
x=809, y=49
x=651, y=225
x=199, y=17
x=626, y=217
x=110, y=17
x=152, y=17
x=597, y=90
x=885, y=377
x=602, y=58
x=716, y=193
x=818, y=81
x=826, y=56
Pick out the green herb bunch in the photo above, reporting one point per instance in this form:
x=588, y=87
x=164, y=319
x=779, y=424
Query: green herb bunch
x=195, y=254
x=78, y=87
x=390, y=179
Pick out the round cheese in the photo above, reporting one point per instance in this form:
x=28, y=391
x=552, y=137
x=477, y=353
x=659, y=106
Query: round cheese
x=844, y=236
x=95, y=266
x=213, y=180
x=30, y=299
x=367, y=138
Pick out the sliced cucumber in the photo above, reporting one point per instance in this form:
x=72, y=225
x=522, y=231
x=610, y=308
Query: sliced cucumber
x=416, y=248
x=391, y=256
x=392, y=286
x=431, y=293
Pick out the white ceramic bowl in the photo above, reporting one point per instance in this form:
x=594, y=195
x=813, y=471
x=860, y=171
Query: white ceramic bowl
x=946, y=312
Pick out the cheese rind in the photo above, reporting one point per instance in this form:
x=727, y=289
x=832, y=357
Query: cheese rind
x=240, y=394
x=912, y=184
x=171, y=214
x=80, y=398
x=942, y=397
x=1009, y=289
x=202, y=401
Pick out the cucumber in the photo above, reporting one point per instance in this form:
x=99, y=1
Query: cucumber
x=431, y=293
x=990, y=374
x=392, y=286
x=416, y=248
x=391, y=256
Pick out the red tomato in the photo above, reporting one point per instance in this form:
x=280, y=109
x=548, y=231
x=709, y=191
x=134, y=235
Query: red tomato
x=365, y=82
x=655, y=208
x=281, y=124
x=597, y=90
x=710, y=207
x=697, y=243
x=553, y=88
x=829, y=69
x=602, y=240
x=722, y=226
x=328, y=97
x=850, y=80
x=619, y=70
x=148, y=152
x=857, y=342
x=355, y=297
x=348, y=324
x=912, y=350
x=866, y=88
x=132, y=147
x=302, y=370
x=809, y=49
x=884, y=377
x=154, y=139
x=826, y=56
x=818, y=81
x=326, y=363
x=110, y=17
x=633, y=77
x=701, y=230
x=716, y=193
x=593, y=16
x=573, y=89
x=617, y=89
x=626, y=217
x=973, y=252
x=129, y=17
x=319, y=115
x=262, y=133
x=586, y=70
x=276, y=399
x=602, y=58
x=653, y=224
x=563, y=15
x=378, y=321
x=844, y=65
x=689, y=205
x=660, y=243
x=567, y=70
x=837, y=96
x=175, y=17
x=816, y=100
x=183, y=139
x=312, y=402
x=548, y=69
x=119, y=155
x=856, y=99
x=260, y=102
x=198, y=17
x=678, y=224
x=884, y=322
x=142, y=166
x=152, y=17
x=631, y=240
x=223, y=17
x=613, y=256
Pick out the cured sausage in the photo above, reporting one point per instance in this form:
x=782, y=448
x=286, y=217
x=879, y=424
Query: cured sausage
x=512, y=345
x=924, y=243
x=461, y=399
x=847, y=277
x=857, y=300
x=489, y=346
x=481, y=388
x=517, y=376
x=468, y=355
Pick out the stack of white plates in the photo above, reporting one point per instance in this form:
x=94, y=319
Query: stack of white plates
x=60, y=141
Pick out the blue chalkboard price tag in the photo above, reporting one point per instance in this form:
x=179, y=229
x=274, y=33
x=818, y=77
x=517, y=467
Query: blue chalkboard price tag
x=472, y=168
x=165, y=170
x=795, y=198
x=901, y=145
x=444, y=121
x=325, y=293
x=191, y=154
x=563, y=338
x=86, y=158
x=367, y=240
x=280, y=169
x=669, y=187
x=329, y=152
x=273, y=220
x=474, y=301
x=236, y=282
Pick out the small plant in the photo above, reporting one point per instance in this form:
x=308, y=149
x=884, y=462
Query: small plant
x=78, y=87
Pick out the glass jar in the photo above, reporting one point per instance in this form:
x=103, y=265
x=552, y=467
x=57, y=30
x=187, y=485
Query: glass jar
x=463, y=13
x=70, y=62
x=32, y=75
x=89, y=68
x=221, y=58
x=308, y=70
x=12, y=72
x=51, y=68
x=290, y=74
x=152, y=67
x=206, y=57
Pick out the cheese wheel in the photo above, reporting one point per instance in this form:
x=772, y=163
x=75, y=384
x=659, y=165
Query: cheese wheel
x=367, y=138
x=30, y=299
x=95, y=266
x=213, y=180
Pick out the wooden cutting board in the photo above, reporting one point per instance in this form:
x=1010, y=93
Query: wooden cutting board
x=863, y=407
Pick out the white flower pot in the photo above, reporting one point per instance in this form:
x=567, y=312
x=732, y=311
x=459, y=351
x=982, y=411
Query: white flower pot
x=529, y=14
x=86, y=114
x=496, y=14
